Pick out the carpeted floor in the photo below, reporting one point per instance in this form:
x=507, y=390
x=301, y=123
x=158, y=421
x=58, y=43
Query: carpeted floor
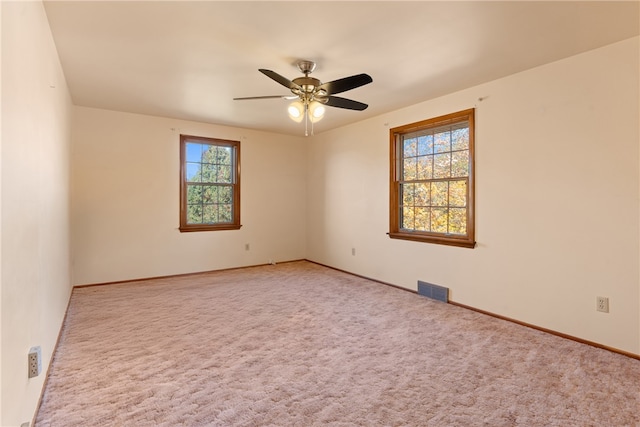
x=297, y=344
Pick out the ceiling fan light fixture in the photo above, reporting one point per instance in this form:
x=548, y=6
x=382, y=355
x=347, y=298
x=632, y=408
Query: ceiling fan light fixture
x=296, y=111
x=312, y=96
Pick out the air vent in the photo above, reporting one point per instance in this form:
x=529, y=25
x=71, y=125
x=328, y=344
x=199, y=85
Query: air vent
x=439, y=293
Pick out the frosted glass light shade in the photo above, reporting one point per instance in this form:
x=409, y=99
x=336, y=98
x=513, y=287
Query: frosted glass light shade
x=296, y=111
x=316, y=112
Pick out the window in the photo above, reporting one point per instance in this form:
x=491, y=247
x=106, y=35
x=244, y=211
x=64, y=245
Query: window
x=432, y=190
x=209, y=184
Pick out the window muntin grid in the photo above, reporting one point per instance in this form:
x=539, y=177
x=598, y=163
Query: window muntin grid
x=432, y=189
x=209, y=184
x=434, y=179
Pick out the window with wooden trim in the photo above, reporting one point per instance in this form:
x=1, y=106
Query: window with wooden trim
x=432, y=185
x=209, y=184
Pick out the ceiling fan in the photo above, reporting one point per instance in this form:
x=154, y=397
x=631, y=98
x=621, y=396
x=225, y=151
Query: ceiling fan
x=312, y=95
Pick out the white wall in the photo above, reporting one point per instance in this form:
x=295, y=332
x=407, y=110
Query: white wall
x=125, y=199
x=557, y=186
x=35, y=279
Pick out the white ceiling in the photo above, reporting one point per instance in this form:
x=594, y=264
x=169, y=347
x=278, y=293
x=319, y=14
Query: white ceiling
x=187, y=60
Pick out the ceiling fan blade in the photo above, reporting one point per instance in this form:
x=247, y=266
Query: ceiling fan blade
x=345, y=84
x=280, y=79
x=349, y=104
x=266, y=97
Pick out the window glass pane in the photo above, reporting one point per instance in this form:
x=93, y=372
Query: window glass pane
x=409, y=170
x=210, y=194
x=208, y=173
x=458, y=193
x=224, y=155
x=407, y=218
x=209, y=154
x=424, y=167
x=425, y=144
x=225, y=194
x=193, y=152
x=210, y=214
x=193, y=172
x=439, y=220
x=194, y=214
x=460, y=163
x=407, y=191
x=422, y=219
x=194, y=194
x=422, y=197
x=410, y=146
x=439, y=193
x=457, y=221
x=442, y=141
x=460, y=137
x=225, y=213
x=224, y=174
x=442, y=165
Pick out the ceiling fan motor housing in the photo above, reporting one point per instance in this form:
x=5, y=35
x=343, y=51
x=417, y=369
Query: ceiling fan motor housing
x=307, y=84
x=306, y=67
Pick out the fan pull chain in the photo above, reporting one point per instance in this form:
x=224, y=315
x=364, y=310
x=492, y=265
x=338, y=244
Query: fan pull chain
x=306, y=119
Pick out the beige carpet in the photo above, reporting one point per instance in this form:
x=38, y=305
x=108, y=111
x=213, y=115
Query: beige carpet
x=298, y=344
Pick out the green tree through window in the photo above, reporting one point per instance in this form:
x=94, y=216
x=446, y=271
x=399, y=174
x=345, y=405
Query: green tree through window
x=209, y=184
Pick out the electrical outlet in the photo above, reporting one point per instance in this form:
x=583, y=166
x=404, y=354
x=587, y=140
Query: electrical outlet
x=246, y=246
x=602, y=304
x=35, y=361
x=353, y=251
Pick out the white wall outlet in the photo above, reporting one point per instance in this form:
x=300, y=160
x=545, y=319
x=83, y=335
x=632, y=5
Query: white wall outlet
x=353, y=251
x=602, y=304
x=246, y=246
x=35, y=361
